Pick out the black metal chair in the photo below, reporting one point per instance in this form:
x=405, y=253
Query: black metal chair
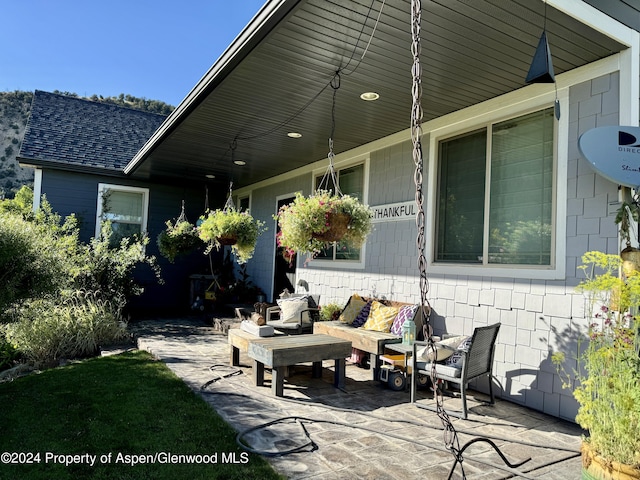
x=303, y=324
x=477, y=362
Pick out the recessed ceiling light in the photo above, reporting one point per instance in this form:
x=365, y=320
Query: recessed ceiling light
x=240, y=162
x=209, y=175
x=294, y=134
x=370, y=96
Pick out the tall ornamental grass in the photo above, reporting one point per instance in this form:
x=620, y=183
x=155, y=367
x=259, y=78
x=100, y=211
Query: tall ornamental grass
x=49, y=329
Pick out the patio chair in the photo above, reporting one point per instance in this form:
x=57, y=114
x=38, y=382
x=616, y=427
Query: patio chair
x=294, y=315
x=473, y=362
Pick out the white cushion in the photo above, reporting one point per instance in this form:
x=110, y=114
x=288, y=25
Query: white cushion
x=442, y=353
x=291, y=308
x=441, y=369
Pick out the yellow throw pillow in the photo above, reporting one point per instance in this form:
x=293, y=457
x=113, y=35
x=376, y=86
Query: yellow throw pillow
x=381, y=317
x=352, y=309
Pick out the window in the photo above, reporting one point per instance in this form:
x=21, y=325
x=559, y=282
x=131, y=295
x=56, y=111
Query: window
x=495, y=201
x=243, y=204
x=126, y=209
x=351, y=182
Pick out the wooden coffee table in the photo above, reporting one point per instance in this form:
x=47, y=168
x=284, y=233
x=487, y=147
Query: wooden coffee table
x=282, y=351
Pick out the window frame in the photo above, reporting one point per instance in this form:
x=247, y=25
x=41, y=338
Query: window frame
x=105, y=187
x=484, y=119
x=318, y=173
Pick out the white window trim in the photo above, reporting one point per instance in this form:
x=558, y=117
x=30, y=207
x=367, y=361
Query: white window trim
x=345, y=264
x=102, y=187
x=37, y=189
x=558, y=267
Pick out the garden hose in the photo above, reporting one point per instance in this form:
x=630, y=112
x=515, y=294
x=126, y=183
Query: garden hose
x=310, y=445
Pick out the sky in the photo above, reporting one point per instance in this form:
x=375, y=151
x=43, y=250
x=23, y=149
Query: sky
x=153, y=49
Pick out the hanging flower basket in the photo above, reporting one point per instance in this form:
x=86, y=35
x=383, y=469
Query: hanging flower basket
x=230, y=227
x=308, y=224
x=177, y=239
x=338, y=226
x=228, y=239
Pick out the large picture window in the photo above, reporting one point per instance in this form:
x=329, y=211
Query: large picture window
x=351, y=182
x=496, y=194
x=125, y=208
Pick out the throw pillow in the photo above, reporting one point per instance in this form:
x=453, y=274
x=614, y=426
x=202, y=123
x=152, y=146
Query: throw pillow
x=350, y=312
x=291, y=308
x=380, y=317
x=455, y=360
x=362, y=317
x=426, y=353
x=407, y=312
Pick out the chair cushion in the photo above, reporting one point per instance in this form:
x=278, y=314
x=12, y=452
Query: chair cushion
x=441, y=369
x=406, y=312
x=380, y=318
x=363, y=316
x=455, y=360
x=291, y=308
x=426, y=353
x=350, y=312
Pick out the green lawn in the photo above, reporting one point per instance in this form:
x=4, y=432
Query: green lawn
x=115, y=411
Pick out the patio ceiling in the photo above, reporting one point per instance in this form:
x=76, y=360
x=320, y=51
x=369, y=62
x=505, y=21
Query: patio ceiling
x=275, y=78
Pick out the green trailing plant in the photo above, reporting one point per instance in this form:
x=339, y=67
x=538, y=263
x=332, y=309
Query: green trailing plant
x=178, y=238
x=608, y=372
x=304, y=222
x=230, y=227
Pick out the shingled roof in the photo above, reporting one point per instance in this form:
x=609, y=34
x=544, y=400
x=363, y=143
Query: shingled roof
x=76, y=134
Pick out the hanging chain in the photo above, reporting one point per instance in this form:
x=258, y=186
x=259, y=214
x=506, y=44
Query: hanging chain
x=330, y=180
x=450, y=434
x=229, y=205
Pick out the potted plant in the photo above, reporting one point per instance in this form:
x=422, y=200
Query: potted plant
x=308, y=223
x=231, y=227
x=178, y=238
x=608, y=373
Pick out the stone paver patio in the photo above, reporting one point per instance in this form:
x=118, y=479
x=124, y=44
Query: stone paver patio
x=365, y=431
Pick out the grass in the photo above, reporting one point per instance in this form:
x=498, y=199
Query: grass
x=119, y=405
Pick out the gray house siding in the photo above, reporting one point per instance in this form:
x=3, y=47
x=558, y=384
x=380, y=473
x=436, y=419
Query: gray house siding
x=537, y=316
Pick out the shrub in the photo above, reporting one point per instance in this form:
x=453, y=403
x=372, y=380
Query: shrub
x=8, y=353
x=49, y=329
x=109, y=270
x=32, y=262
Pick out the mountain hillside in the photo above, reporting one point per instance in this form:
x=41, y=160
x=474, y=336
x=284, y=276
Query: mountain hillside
x=14, y=113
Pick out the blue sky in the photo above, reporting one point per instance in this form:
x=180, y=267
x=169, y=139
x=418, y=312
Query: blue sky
x=157, y=49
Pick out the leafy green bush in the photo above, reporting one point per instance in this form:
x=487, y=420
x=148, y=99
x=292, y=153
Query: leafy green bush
x=8, y=353
x=109, y=270
x=49, y=329
x=32, y=261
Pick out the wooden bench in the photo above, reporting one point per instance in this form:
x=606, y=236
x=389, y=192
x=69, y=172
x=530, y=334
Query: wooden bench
x=369, y=341
x=281, y=351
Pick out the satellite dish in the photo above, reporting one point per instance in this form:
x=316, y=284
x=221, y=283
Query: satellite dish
x=614, y=152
